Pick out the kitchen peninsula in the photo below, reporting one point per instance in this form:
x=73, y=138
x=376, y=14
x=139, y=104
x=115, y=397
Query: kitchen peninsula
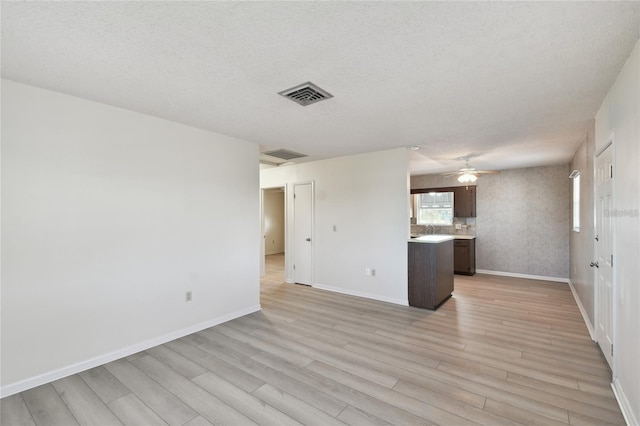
x=430, y=270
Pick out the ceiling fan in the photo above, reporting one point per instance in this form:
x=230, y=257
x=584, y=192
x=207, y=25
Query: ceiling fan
x=468, y=174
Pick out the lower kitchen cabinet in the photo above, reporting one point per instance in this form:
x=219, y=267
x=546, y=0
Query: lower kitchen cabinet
x=464, y=257
x=430, y=273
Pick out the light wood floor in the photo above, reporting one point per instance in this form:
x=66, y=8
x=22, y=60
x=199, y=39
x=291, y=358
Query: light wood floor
x=501, y=351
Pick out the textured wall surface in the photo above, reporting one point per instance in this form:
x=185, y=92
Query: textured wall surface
x=523, y=219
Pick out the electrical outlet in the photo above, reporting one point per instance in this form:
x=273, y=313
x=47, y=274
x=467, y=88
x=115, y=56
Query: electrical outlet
x=188, y=296
x=458, y=226
x=370, y=272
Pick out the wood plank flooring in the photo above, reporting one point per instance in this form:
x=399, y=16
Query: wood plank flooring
x=502, y=351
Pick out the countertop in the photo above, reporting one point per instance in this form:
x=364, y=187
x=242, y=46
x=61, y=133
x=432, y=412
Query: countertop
x=455, y=236
x=431, y=239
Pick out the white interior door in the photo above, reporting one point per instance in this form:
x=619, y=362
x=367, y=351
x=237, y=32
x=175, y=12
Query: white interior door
x=262, y=248
x=303, y=233
x=604, y=252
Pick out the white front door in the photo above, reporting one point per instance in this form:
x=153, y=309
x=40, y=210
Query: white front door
x=604, y=252
x=303, y=233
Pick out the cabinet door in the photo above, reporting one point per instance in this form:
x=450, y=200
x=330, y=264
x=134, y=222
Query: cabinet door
x=464, y=201
x=461, y=258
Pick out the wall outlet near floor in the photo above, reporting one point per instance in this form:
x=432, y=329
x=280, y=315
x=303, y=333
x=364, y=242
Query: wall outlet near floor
x=370, y=272
x=188, y=296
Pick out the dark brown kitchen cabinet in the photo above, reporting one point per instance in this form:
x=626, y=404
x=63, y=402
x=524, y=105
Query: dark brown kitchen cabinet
x=464, y=257
x=464, y=201
x=430, y=273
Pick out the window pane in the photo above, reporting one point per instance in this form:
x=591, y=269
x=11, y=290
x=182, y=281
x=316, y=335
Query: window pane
x=576, y=203
x=435, y=208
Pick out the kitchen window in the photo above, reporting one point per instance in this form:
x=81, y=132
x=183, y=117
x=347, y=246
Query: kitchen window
x=434, y=208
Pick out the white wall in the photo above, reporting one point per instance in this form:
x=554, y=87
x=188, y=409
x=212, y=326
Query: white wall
x=274, y=221
x=366, y=198
x=523, y=219
x=620, y=113
x=581, y=274
x=108, y=217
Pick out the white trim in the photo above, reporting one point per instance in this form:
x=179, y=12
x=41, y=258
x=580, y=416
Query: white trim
x=527, y=276
x=362, y=294
x=623, y=402
x=42, y=379
x=585, y=317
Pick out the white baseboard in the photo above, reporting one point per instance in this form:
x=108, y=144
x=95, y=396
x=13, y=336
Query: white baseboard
x=362, y=294
x=527, y=276
x=585, y=317
x=623, y=402
x=51, y=376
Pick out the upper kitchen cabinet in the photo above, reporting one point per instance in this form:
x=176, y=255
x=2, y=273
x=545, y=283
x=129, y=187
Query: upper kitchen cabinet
x=464, y=201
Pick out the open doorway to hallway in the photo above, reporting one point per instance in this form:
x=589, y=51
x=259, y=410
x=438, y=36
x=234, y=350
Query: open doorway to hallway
x=273, y=227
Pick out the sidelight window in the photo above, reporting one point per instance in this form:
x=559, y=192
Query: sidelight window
x=575, y=175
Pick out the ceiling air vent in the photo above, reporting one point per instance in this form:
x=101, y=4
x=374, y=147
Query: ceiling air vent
x=306, y=94
x=284, y=154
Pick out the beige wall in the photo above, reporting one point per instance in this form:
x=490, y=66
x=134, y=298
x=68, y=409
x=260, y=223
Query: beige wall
x=523, y=219
x=273, y=221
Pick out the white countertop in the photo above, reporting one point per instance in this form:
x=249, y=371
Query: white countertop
x=447, y=237
x=464, y=237
x=431, y=239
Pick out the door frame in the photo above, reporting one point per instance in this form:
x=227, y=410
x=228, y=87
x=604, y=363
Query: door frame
x=609, y=144
x=290, y=225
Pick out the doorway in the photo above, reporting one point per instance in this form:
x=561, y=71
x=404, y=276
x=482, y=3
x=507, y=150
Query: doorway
x=604, y=272
x=273, y=232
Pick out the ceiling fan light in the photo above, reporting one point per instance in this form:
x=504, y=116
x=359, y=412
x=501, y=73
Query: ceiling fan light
x=467, y=178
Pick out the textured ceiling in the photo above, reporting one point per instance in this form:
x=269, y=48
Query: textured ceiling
x=514, y=83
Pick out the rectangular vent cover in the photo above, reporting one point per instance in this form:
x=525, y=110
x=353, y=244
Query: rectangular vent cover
x=284, y=154
x=306, y=94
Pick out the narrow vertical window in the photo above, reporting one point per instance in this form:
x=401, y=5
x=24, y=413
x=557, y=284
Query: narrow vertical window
x=576, y=200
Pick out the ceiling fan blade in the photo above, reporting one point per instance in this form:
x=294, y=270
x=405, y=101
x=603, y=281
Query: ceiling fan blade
x=467, y=169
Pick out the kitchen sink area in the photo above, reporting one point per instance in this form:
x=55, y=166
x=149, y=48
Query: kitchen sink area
x=464, y=249
x=447, y=212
